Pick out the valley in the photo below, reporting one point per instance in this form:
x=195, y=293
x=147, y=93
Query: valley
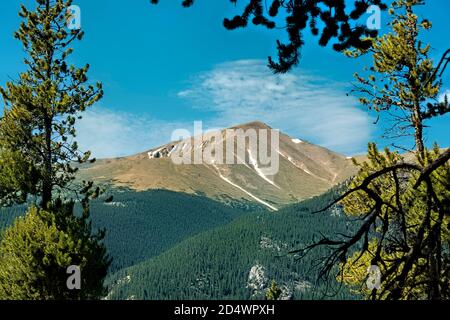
x=239, y=260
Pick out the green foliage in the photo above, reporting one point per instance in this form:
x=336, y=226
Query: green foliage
x=403, y=203
x=411, y=238
x=166, y=241
x=274, y=292
x=37, y=130
x=37, y=152
x=216, y=264
x=141, y=225
x=357, y=204
x=402, y=81
x=37, y=249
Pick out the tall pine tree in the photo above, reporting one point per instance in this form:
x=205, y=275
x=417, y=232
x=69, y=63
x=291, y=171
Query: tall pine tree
x=402, y=203
x=37, y=155
x=37, y=131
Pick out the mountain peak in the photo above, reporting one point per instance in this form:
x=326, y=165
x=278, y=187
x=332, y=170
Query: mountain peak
x=252, y=125
x=303, y=169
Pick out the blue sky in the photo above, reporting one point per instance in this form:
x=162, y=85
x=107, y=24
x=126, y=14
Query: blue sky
x=165, y=66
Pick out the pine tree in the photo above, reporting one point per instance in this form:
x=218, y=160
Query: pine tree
x=406, y=234
x=37, y=249
x=403, y=78
x=402, y=204
x=37, y=152
x=37, y=131
x=274, y=292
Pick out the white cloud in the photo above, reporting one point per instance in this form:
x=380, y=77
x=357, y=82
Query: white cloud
x=304, y=105
x=109, y=133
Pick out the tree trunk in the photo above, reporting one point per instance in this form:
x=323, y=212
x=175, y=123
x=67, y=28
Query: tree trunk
x=418, y=132
x=47, y=184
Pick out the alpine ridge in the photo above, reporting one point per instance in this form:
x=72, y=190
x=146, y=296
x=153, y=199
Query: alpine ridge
x=305, y=170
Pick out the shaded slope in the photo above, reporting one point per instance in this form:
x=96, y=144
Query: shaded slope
x=238, y=260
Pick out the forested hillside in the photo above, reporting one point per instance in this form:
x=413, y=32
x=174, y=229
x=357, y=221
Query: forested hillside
x=144, y=224
x=7, y=215
x=140, y=225
x=169, y=245
x=239, y=260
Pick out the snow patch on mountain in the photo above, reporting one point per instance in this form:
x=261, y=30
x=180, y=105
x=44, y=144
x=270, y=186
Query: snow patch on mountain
x=303, y=167
x=154, y=154
x=243, y=190
x=258, y=170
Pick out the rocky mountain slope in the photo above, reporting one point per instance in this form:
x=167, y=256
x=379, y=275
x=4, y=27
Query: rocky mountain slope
x=305, y=170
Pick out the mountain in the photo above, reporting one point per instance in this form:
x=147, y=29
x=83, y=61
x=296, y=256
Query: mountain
x=305, y=170
x=210, y=231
